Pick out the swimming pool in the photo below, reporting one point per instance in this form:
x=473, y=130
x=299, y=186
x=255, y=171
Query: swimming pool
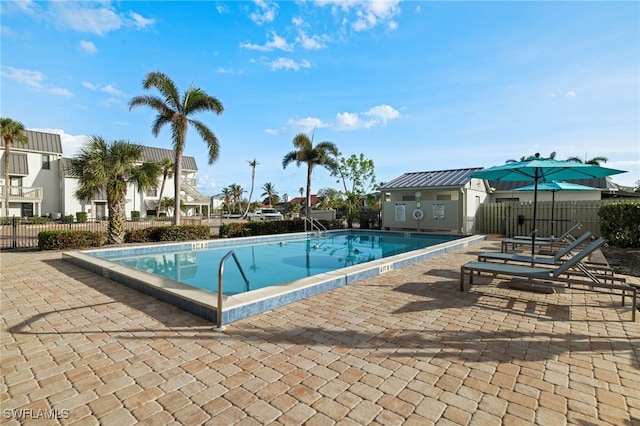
x=281, y=269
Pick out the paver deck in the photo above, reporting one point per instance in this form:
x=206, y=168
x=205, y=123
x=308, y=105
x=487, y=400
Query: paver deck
x=406, y=347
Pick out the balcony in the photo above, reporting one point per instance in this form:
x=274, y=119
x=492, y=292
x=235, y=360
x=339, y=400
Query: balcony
x=22, y=194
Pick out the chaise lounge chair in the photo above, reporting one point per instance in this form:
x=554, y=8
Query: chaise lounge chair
x=547, y=242
x=560, y=273
x=595, y=267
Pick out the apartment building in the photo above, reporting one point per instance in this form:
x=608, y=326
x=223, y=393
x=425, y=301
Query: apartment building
x=40, y=183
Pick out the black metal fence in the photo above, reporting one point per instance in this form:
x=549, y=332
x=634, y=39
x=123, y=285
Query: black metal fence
x=18, y=233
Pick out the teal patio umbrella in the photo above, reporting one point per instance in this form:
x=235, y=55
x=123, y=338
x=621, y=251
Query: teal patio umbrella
x=540, y=170
x=554, y=186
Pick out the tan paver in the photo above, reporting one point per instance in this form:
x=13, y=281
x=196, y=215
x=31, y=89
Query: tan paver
x=406, y=347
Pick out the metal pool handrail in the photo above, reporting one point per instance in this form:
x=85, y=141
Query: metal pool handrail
x=219, y=326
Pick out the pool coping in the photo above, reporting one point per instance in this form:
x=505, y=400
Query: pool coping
x=204, y=303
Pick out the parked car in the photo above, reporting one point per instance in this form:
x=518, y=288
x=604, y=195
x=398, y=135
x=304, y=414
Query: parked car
x=265, y=214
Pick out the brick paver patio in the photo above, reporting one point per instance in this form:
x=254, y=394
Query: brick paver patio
x=406, y=347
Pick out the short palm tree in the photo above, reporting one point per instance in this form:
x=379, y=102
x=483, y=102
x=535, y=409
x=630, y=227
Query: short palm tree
x=236, y=194
x=167, y=168
x=269, y=192
x=228, y=196
x=175, y=110
x=111, y=167
x=322, y=154
x=12, y=131
x=596, y=161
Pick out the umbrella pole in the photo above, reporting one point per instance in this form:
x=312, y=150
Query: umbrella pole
x=553, y=203
x=534, y=231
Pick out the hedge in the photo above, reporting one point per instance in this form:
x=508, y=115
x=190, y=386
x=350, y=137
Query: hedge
x=168, y=233
x=70, y=239
x=620, y=223
x=249, y=229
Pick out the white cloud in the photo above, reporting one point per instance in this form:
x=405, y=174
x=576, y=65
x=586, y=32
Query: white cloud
x=265, y=13
x=311, y=42
x=346, y=121
x=112, y=90
x=368, y=13
x=276, y=42
x=289, y=64
x=34, y=80
x=222, y=70
x=88, y=47
x=570, y=94
x=140, y=21
x=99, y=17
x=383, y=113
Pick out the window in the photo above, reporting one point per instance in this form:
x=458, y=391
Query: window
x=46, y=161
x=15, y=183
x=153, y=192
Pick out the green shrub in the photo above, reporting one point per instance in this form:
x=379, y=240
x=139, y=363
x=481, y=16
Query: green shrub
x=183, y=233
x=135, y=216
x=36, y=220
x=81, y=217
x=68, y=219
x=168, y=233
x=70, y=239
x=247, y=229
x=620, y=223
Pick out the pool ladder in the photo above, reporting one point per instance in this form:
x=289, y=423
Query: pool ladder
x=231, y=253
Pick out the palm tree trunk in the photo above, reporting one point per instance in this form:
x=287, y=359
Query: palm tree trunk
x=164, y=180
x=307, y=210
x=117, y=219
x=177, y=177
x=7, y=148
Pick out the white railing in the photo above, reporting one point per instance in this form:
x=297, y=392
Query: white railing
x=22, y=193
x=192, y=194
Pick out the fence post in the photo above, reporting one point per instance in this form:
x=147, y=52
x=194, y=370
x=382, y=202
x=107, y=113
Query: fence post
x=14, y=233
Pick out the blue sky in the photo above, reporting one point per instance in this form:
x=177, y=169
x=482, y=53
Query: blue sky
x=415, y=86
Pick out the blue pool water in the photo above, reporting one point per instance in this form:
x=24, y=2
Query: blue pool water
x=273, y=262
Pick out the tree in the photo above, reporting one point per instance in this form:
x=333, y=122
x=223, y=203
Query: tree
x=357, y=176
x=596, y=161
x=175, y=110
x=12, y=131
x=269, y=192
x=228, y=195
x=167, y=168
x=253, y=165
x=111, y=167
x=551, y=156
x=236, y=195
x=320, y=155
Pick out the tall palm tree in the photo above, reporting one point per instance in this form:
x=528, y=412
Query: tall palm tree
x=12, y=131
x=269, y=192
x=167, y=167
x=175, y=110
x=111, y=167
x=596, y=161
x=253, y=165
x=323, y=154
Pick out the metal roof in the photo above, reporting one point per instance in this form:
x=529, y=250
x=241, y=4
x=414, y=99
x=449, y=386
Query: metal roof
x=156, y=155
x=438, y=178
x=149, y=154
x=18, y=164
x=47, y=143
